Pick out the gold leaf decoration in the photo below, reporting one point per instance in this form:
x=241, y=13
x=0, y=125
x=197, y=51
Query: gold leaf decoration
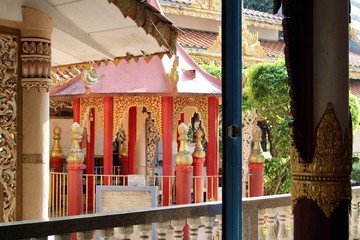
x=326, y=180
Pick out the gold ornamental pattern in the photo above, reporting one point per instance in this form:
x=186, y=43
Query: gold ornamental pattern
x=122, y=105
x=200, y=103
x=8, y=119
x=326, y=180
x=36, y=63
x=86, y=104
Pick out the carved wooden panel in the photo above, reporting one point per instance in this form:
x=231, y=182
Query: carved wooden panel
x=8, y=117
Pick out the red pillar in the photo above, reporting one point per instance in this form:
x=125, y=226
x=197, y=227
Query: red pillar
x=76, y=110
x=75, y=189
x=183, y=184
x=108, y=138
x=212, y=155
x=132, y=139
x=256, y=171
x=198, y=164
x=167, y=149
x=90, y=160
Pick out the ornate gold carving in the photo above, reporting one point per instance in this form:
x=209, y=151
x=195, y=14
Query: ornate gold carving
x=152, y=139
x=56, y=107
x=8, y=126
x=352, y=33
x=122, y=105
x=75, y=156
x=86, y=104
x=173, y=76
x=326, y=180
x=250, y=43
x=193, y=12
x=56, y=151
x=201, y=104
x=198, y=150
x=36, y=63
x=183, y=157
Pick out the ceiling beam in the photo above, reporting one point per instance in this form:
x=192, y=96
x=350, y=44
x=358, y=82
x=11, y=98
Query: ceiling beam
x=64, y=24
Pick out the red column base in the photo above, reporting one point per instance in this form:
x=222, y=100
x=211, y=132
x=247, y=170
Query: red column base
x=256, y=171
x=198, y=164
x=183, y=184
x=124, y=169
x=75, y=189
x=56, y=164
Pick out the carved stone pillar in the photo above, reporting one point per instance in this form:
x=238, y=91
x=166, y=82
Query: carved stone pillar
x=36, y=62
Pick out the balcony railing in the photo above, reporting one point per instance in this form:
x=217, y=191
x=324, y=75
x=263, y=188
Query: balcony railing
x=263, y=218
x=58, y=203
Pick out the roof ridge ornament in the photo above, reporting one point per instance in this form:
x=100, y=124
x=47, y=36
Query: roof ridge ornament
x=173, y=76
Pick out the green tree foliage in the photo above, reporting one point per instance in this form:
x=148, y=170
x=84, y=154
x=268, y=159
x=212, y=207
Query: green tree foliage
x=354, y=110
x=267, y=90
x=212, y=69
x=260, y=5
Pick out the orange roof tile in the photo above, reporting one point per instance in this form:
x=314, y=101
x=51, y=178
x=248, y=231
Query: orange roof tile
x=354, y=86
x=196, y=39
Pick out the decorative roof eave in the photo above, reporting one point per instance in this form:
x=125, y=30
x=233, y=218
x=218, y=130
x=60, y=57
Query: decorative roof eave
x=215, y=58
x=261, y=23
x=151, y=20
x=216, y=15
x=192, y=12
x=64, y=73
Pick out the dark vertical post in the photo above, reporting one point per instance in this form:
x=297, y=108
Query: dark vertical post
x=232, y=144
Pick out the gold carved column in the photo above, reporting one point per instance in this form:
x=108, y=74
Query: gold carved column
x=36, y=62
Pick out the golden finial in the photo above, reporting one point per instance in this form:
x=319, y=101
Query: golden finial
x=183, y=158
x=124, y=150
x=56, y=151
x=75, y=156
x=256, y=155
x=198, y=151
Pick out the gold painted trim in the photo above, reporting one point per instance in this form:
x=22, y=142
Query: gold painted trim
x=122, y=105
x=35, y=158
x=326, y=180
x=200, y=103
x=86, y=104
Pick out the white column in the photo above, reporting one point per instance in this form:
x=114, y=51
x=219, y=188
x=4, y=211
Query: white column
x=36, y=62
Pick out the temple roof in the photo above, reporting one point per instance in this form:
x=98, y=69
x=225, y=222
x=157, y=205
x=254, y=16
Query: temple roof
x=144, y=78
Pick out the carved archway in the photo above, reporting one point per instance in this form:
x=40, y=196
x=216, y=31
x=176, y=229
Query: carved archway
x=122, y=105
x=200, y=103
